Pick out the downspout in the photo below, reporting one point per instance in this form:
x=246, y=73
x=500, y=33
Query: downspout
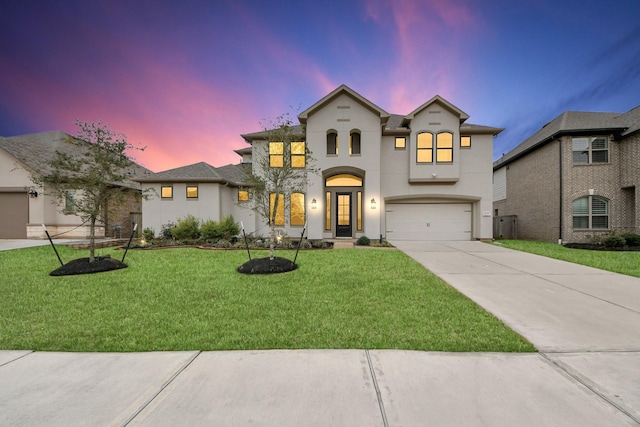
x=560, y=218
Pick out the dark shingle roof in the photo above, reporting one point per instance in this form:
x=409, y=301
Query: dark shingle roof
x=34, y=151
x=200, y=172
x=574, y=122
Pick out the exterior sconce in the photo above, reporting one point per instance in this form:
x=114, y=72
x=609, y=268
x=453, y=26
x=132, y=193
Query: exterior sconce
x=314, y=204
x=33, y=193
x=373, y=203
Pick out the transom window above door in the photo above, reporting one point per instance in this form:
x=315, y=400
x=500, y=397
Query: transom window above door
x=344, y=180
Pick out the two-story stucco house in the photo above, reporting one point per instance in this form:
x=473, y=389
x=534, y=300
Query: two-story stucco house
x=576, y=178
x=422, y=176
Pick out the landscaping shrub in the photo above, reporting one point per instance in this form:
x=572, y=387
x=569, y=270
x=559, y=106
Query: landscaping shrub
x=614, y=241
x=632, y=239
x=222, y=243
x=148, y=234
x=188, y=228
x=166, y=232
x=363, y=241
x=226, y=229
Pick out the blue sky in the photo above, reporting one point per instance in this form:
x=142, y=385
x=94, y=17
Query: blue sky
x=186, y=78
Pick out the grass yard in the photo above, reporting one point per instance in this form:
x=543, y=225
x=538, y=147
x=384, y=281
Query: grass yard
x=192, y=299
x=617, y=261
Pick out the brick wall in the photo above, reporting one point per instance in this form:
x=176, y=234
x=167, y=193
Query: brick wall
x=120, y=213
x=533, y=194
x=605, y=181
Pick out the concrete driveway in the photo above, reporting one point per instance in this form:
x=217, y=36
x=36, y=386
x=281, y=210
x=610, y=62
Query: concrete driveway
x=584, y=321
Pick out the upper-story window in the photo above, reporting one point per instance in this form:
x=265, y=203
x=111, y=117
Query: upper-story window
x=192, y=191
x=332, y=143
x=424, y=148
x=590, y=212
x=276, y=154
x=590, y=150
x=465, y=141
x=298, y=155
x=401, y=143
x=354, y=143
x=166, y=191
x=444, y=147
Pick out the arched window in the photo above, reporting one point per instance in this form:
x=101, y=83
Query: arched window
x=354, y=143
x=444, y=147
x=344, y=180
x=424, y=147
x=332, y=143
x=279, y=216
x=590, y=212
x=296, y=209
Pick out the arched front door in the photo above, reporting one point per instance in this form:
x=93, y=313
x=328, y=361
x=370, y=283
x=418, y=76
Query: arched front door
x=344, y=204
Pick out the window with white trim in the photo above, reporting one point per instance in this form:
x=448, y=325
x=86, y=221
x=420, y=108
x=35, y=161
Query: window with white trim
x=590, y=150
x=590, y=212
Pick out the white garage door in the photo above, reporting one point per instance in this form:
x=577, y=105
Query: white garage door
x=428, y=221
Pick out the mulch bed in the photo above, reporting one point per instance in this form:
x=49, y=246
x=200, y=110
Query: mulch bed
x=83, y=266
x=593, y=247
x=267, y=266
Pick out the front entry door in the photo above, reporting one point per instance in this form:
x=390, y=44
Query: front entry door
x=343, y=221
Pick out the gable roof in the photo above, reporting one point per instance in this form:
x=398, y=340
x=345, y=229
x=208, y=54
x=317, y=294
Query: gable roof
x=573, y=123
x=35, y=151
x=343, y=90
x=446, y=104
x=200, y=172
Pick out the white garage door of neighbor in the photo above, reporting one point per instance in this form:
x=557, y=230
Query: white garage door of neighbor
x=428, y=221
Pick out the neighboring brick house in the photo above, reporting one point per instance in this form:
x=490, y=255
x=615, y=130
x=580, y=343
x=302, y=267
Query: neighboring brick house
x=576, y=178
x=24, y=207
x=421, y=176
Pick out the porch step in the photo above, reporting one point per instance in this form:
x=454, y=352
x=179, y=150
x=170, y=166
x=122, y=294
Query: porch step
x=343, y=244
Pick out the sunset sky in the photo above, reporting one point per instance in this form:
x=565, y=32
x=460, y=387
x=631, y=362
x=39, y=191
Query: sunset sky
x=186, y=78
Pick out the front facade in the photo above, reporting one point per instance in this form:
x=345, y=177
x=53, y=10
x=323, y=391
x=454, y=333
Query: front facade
x=24, y=208
x=574, y=180
x=422, y=176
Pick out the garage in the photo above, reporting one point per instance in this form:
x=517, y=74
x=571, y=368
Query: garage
x=14, y=215
x=428, y=221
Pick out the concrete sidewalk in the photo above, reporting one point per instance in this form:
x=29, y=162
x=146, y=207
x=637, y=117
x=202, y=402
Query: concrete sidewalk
x=295, y=388
x=584, y=321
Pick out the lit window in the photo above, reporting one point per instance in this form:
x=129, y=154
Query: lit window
x=424, y=147
x=276, y=154
x=465, y=141
x=298, y=155
x=243, y=195
x=590, y=150
x=296, y=209
x=70, y=201
x=327, y=218
x=359, y=211
x=401, y=143
x=279, y=216
x=344, y=180
x=166, y=192
x=444, y=147
x=332, y=144
x=354, y=143
x=590, y=212
x=192, y=191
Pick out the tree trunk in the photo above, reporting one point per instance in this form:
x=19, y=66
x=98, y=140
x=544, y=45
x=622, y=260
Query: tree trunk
x=92, y=240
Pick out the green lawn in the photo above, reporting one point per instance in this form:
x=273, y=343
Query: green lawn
x=617, y=261
x=193, y=299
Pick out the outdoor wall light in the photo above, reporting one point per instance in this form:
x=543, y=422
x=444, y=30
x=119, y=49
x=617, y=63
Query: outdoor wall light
x=33, y=193
x=314, y=204
x=373, y=203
